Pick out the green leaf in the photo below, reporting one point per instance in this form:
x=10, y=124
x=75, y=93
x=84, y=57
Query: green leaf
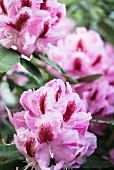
x=32, y=69
x=56, y=67
x=89, y=78
x=70, y=79
x=8, y=59
x=9, y=151
x=11, y=164
x=96, y=162
x=11, y=84
x=49, y=62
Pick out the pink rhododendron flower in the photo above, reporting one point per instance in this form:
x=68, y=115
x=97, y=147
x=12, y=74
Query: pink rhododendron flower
x=84, y=53
x=53, y=126
x=99, y=99
x=30, y=24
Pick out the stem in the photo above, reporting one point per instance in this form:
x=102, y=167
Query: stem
x=102, y=122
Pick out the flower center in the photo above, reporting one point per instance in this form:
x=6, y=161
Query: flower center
x=30, y=147
x=20, y=22
x=45, y=133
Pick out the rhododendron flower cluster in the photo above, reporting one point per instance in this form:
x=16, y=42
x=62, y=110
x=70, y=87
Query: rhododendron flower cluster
x=99, y=99
x=30, y=24
x=53, y=126
x=84, y=53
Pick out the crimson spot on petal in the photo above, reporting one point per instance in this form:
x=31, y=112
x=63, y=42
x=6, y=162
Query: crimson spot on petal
x=58, y=93
x=71, y=107
x=93, y=97
x=43, y=5
x=80, y=45
x=78, y=155
x=44, y=30
x=30, y=147
x=21, y=21
x=98, y=60
x=42, y=103
x=45, y=133
x=77, y=64
x=3, y=7
x=26, y=3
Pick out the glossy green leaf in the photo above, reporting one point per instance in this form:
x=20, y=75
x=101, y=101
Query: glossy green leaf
x=10, y=165
x=89, y=78
x=49, y=62
x=96, y=162
x=8, y=59
x=32, y=69
x=9, y=151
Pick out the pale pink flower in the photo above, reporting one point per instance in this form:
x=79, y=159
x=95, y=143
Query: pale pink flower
x=84, y=53
x=99, y=99
x=30, y=25
x=79, y=53
x=54, y=126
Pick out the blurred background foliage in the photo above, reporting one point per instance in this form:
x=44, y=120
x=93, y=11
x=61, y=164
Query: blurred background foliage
x=93, y=14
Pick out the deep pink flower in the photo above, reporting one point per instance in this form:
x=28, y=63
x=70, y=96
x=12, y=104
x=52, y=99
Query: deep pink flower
x=30, y=25
x=54, y=126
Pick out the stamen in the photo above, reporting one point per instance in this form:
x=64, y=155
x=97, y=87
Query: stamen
x=31, y=164
x=67, y=166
